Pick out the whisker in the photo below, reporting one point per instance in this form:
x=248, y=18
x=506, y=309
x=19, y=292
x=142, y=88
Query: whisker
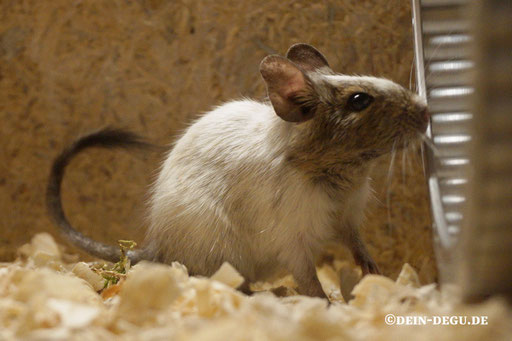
x=427, y=75
x=388, y=183
x=411, y=73
x=423, y=161
x=430, y=144
x=408, y=157
x=433, y=55
x=428, y=61
x=392, y=161
x=403, y=163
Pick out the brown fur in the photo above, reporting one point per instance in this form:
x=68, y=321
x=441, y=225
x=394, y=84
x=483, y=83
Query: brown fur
x=331, y=137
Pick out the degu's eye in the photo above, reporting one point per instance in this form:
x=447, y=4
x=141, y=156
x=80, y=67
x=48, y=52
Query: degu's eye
x=359, y=101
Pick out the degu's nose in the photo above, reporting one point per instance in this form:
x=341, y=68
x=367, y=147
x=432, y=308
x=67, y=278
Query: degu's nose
x=421, y=108
x=424, y=117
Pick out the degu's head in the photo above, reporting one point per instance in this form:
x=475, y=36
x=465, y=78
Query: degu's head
x=339, y=113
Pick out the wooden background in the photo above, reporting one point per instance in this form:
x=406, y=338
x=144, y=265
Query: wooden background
x=69, y=67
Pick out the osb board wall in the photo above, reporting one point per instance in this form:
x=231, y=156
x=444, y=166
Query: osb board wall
x=68, y=67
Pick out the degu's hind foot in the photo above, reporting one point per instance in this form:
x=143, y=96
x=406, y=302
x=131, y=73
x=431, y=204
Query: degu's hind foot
x=366, y=262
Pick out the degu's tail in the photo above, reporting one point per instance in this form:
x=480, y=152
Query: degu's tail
x=105, y=138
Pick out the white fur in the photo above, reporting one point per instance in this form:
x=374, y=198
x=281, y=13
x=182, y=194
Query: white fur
x=381, y=84
x=225, y=193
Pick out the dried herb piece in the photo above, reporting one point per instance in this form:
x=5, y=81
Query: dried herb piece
x=118, y=271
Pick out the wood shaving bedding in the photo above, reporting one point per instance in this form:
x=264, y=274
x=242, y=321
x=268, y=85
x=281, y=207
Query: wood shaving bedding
x=45, y=298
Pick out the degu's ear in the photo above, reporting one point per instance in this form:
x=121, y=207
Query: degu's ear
x=288, y=88
x=308, y=58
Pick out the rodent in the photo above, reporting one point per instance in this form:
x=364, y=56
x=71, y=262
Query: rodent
x=264, y=185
